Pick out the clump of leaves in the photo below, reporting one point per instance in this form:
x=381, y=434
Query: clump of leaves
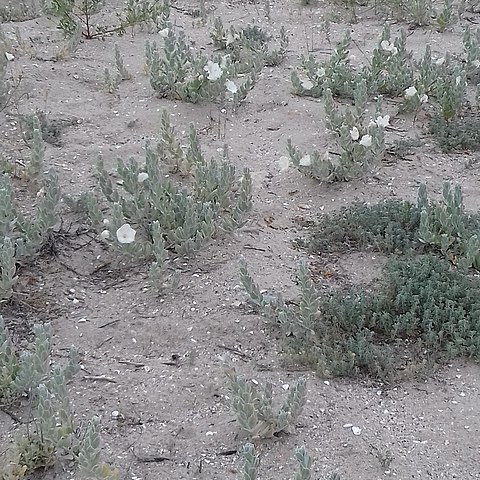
x=152, y=212
x=75, y=15
x=337, y=74
x=22, y=237
x=178, y=73
x=359, y=143
x=251, y=463
x=461, y=133
x=247, y=45
x=254, y=409
x=420, y=306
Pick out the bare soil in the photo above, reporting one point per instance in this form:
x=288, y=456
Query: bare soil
x=159, y=360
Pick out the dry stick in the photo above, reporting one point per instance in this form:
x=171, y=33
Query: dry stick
x=100, y=377
x=234, y=351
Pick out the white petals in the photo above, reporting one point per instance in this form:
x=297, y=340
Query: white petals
x=424, y=98
x=142, y=176
x=410, y=92
x=354, y=133
x=440, y=61
x=321, y=72
x=231, y=87
x=366, y=141
x=305, y=161
x=382, y=121
x=163, y=33
x=283, y=163
x=126, y=234
x=105, y=234
x=388, y=47
x=214, y=70
x=307, y=84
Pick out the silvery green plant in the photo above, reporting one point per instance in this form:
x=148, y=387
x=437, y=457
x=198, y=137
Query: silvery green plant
x=151, y=212
x=22, y=237
x=450, y=92
x=336, y=73
x=390, y=71
x=444, y=225
x=247, y=45
x=446, y=17
x=4, y=81
x=471, y=45
x=37, y=150
x=80, y=14
x=112, y=81
x=251, y=463
x=90, y=466
x=177, y=73
x=254, y=407
x=359, y=144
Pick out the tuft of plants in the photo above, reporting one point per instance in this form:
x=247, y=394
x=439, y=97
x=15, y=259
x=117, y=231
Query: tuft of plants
x=52, y=432
x=251, y=463
x=423, y=308
x=151, y=211
x=22, y=237
x=359, y=143
x=80, y=15
x=177, y=73
x=254, y=407
x=245, y=46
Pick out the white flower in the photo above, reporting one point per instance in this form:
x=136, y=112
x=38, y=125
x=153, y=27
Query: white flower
x=440, y=61
x=305, y=161
x=382, y=121
x=410, y=92
x=142, y=176
x=106, y=221
x=424, y=98
x=321, y=72
x=105, y=234
x=354, y=133
x=366, y=141
x=388, y=47
x=231, y=87
x=307, y=84
x=163, y=33
x=214, y=70
x=283, y=163
x=126, y=234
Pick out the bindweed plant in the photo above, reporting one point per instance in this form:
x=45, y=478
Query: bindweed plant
x=254, y=407
x=22, y=237
x=247, y=45
x=336, y=74
x=360, y=144
x=151, y=212
x=447, y=227
x=251, y=463
x=177, y=73
x=111, y=82
x=390, y=70
x=53, y=432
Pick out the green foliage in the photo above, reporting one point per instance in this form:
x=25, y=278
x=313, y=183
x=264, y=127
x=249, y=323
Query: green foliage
x=178, y=73
x=419, y=306
x=251, y=463
x=359, y=144
x=248, y=45
x=457, y=134
x=254, y=407
x=22, y=237
x=336, y=74
x=89, y=464
x=446, y=17
x=80, y=15
x=390, y=71
x=35, y=164
x=166, y=214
